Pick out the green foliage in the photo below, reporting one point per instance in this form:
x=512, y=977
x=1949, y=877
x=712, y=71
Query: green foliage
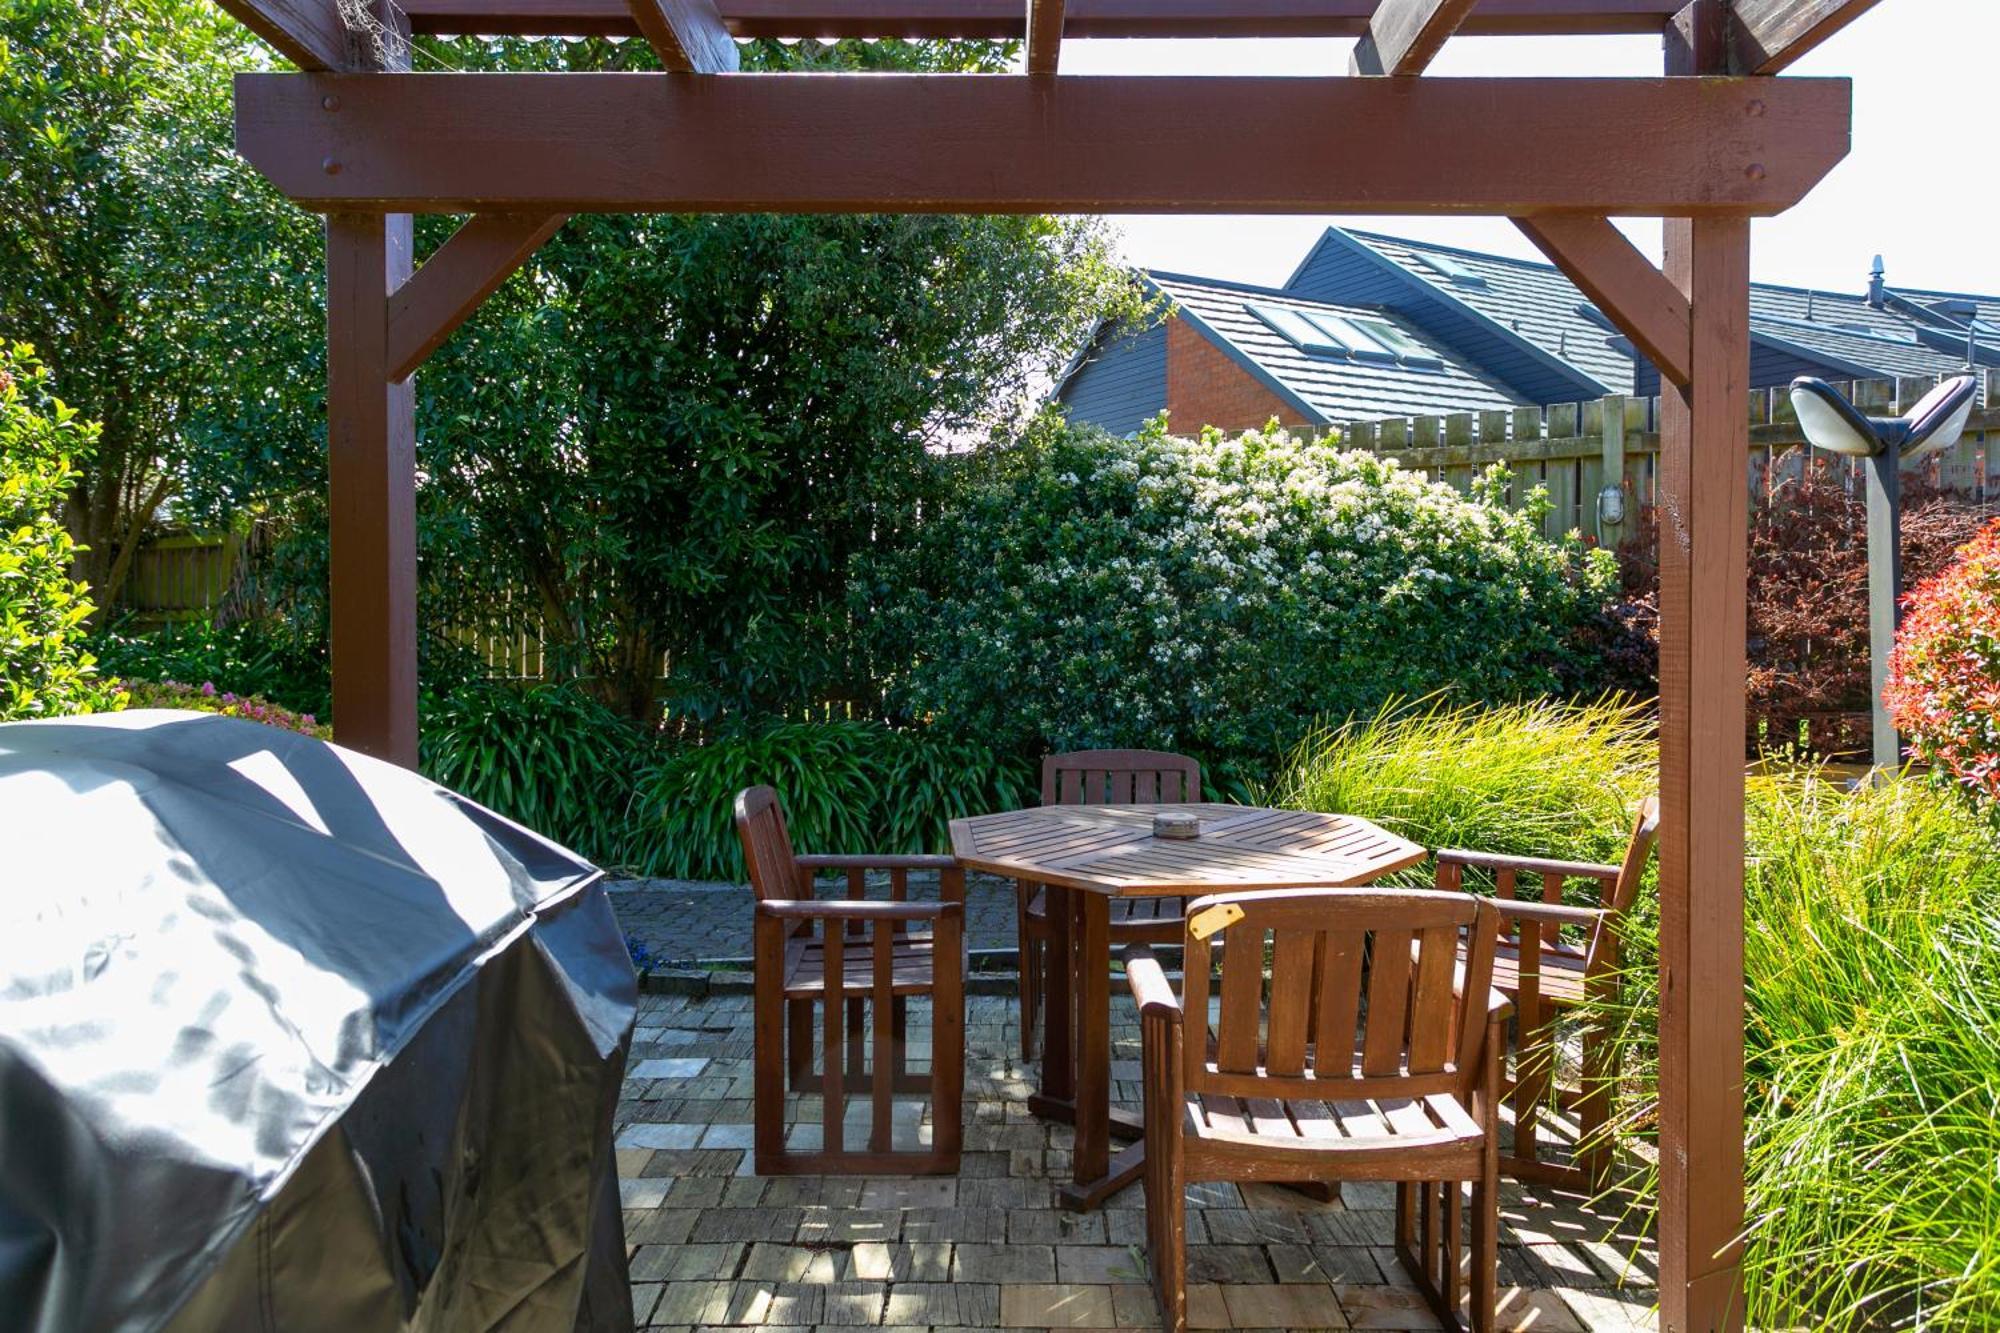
x=666, y=441
x=1216, y=595
x=845, y=786
x=1539, y=778
x=547, y=756
x=1872, y=1026
x=44, y=669
x=265, y=658
x=173, y=287
x=207, y=699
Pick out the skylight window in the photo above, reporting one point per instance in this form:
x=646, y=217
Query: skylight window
x=1358, y=341
x=1451, y=270
x=1405, y=348
x=1299, y=331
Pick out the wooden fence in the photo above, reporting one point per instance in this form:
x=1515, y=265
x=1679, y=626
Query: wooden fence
x=1572, y=449
x=183, y=577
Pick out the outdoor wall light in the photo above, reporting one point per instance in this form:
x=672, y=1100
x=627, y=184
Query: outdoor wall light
x=1833, y=423
x=1611, y=505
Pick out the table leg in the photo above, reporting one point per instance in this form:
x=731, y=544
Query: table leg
x=1058, y=1084
x=1097, y=1175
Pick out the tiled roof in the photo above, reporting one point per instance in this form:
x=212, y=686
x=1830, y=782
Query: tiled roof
x=1338, y=388
x=1542, y=306
x=1533, y=300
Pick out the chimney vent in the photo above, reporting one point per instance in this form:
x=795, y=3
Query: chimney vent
x=1876, y=287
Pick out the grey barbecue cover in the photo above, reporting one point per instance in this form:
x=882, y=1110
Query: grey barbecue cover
x=291, y=1038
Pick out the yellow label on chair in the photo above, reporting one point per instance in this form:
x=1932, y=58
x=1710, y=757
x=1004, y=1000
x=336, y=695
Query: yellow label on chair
x=1219, y=917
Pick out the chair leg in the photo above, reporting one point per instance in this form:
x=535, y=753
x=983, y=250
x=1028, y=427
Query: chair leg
x=1166, y=1235
x=1593, y=1110
x=768, y=1055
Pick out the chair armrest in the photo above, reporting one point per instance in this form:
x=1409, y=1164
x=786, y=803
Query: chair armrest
x=1534, y=865
x=854, y=909
x=1149, y=984
x=1561, y=914
x=865, y=861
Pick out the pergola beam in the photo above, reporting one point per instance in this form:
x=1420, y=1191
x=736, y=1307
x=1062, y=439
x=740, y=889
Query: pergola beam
x=456, y=280
x=687, y=34
x=1404, y=36
x=1045, y=34
x=309, y=33
x=993, y=143
x=1006, y=19
x=1765, y=36
x=1634, y=295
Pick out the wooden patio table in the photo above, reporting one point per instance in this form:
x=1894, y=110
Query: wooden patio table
x=1086, y=855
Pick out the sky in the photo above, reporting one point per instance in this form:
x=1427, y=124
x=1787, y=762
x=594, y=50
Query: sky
x=1924, y=74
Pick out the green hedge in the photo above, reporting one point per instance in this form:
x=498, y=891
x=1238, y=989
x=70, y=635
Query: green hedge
x=846, y=787
x=1216, y=595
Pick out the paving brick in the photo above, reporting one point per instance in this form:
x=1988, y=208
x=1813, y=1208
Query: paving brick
x=1056, y=1305
x=1298, y=1305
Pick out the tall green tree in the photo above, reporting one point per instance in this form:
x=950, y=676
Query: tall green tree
x=668, y=442
x=172, y=291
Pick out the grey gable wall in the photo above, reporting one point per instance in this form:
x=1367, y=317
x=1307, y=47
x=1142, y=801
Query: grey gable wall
x=1122, y=383
x=1343, y=270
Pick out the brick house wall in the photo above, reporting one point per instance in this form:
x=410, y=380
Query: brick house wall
x=1206, y=388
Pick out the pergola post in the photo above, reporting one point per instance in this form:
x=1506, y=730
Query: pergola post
x=1704, y=539
x=1704, y=548
x=372, y=497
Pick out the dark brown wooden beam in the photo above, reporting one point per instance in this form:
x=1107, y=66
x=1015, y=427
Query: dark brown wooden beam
x=1767, y=35
x=1703, y=509
x=1004, y=19
x=1608, y=269
x=994, y=143
x=687, y=34
x=309, y=33
x=371, y=491
x=1404, y=36
x=456, y=280
x=1045, y=34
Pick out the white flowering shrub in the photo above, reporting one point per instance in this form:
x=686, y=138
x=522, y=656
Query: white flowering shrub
x=1218, y=595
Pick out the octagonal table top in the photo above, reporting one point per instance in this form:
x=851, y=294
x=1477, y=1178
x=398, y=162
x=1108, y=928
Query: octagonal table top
x=1111, y=849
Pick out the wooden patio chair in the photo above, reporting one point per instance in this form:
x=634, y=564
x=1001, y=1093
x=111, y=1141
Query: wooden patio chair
x=1368, y=1055
x=1546, y=976
x=1100, y=777
x=876, y=963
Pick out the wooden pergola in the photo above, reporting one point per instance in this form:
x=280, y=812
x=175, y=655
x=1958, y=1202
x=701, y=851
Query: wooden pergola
x=1712, y=143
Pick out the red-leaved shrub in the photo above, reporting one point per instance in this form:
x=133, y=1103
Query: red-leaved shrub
x=1944, y=678
x=1808, y=681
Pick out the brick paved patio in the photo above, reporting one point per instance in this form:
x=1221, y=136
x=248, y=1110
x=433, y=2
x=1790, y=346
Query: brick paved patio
x=715, y=1246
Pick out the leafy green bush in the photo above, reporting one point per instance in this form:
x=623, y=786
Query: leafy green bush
x=548, y=756
x=265, y=658
x=1217, y=595
x=846, y=787
x=1541, y=778
x=205, y=698
x=44, y=669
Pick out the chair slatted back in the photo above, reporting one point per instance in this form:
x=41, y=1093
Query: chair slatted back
x=1120, y=777
x=1360, y=1002
x=767, y=845
x=1645, y=832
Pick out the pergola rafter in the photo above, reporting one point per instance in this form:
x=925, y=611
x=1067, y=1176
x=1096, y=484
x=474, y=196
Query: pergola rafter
x=1707, y=153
